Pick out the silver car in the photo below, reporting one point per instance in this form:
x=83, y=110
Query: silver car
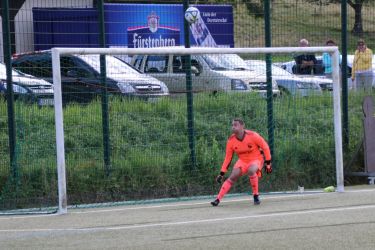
x=27, y=88
x=326, y=84
x=319, y=77
x=288, y=83
x=210, y=72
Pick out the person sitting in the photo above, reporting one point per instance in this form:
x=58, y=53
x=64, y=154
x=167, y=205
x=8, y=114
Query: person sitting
x=177, y=65
x=305, y=63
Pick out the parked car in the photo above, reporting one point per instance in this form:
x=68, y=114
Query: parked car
x=290, y=67
x=27, y=88
x=210, y=72
x=288, y=83
x=324, y=82
x=80, y=76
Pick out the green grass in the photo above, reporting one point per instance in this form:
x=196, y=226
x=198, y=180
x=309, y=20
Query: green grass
x=150, y=156
x=293, y=20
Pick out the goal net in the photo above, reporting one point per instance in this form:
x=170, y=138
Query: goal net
x=144, y=125
x=172, y=145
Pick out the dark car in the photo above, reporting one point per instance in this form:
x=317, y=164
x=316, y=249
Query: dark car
x=80, y=76
x=27, y=88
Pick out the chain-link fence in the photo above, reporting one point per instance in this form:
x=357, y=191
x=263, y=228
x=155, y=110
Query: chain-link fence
x=146, y=136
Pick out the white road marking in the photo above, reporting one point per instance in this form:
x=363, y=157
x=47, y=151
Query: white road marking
x=177, y=223
x=265, y=197
x=186, y=203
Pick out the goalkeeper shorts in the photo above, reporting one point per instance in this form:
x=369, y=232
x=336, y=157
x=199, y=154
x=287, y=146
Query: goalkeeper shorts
x=244, y=166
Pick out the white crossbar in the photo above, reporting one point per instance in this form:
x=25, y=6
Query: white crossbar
x=194, y=50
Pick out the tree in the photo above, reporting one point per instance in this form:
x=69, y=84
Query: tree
x=358, y=25
x=357, y=5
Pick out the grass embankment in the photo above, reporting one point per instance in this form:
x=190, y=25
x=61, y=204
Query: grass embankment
x=293, y=20
x=150, y=156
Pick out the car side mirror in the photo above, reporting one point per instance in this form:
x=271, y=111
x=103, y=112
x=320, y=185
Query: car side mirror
x=195, y=71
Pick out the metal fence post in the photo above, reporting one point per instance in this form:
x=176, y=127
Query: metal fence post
x=344, y=73
x=10, y=96
x=267, y=27
x=189, y=93
x=103, y=76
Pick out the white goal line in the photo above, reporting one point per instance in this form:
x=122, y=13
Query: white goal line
x=57, y=52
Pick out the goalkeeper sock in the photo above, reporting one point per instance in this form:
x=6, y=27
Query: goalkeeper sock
x=224, y=188
x=254, y=183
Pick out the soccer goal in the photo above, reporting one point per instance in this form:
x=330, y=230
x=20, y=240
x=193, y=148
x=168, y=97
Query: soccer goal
x=234, y=83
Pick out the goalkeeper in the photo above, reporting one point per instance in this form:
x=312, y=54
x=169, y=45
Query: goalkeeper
x=248, y=145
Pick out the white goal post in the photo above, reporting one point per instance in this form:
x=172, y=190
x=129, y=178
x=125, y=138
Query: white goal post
x=57, y=52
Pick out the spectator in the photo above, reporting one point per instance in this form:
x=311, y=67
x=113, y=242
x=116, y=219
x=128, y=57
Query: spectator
x=305, y=63
x=362, y=67
x=327, y=60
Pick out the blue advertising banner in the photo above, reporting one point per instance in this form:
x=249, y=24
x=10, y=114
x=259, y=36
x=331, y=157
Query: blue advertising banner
x=144, y=25
x=158, y=25
x=214, y=28
x=132, y=25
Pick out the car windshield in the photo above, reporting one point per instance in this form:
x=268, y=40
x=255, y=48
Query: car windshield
x=114, y=65
x=225, y=62
x=3, y=71
x=260, y=66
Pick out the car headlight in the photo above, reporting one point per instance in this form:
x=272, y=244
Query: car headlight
x=18, y=89
x=303, y=85
x=126, y=88
x=237, y=84
x=306, y=85
x=164, y=88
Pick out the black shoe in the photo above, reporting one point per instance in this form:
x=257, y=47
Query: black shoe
x=215, y=202
x=256, y=200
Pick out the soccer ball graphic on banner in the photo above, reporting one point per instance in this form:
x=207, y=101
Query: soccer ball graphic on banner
x=192, y=14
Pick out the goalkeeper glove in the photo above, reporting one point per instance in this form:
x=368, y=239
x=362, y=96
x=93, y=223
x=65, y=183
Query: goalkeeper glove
x=220, y=177
x=268, y=167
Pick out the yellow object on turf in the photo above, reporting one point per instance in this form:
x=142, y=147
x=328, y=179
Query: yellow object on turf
x=329, y=189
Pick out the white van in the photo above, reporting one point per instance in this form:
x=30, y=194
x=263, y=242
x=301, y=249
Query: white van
x=210, y=72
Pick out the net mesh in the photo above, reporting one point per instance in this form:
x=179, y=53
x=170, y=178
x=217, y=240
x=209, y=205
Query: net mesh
x=149, y=155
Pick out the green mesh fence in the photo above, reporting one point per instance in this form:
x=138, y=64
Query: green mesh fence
x=33, y=182
x=150, y=155
x=149, y=147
